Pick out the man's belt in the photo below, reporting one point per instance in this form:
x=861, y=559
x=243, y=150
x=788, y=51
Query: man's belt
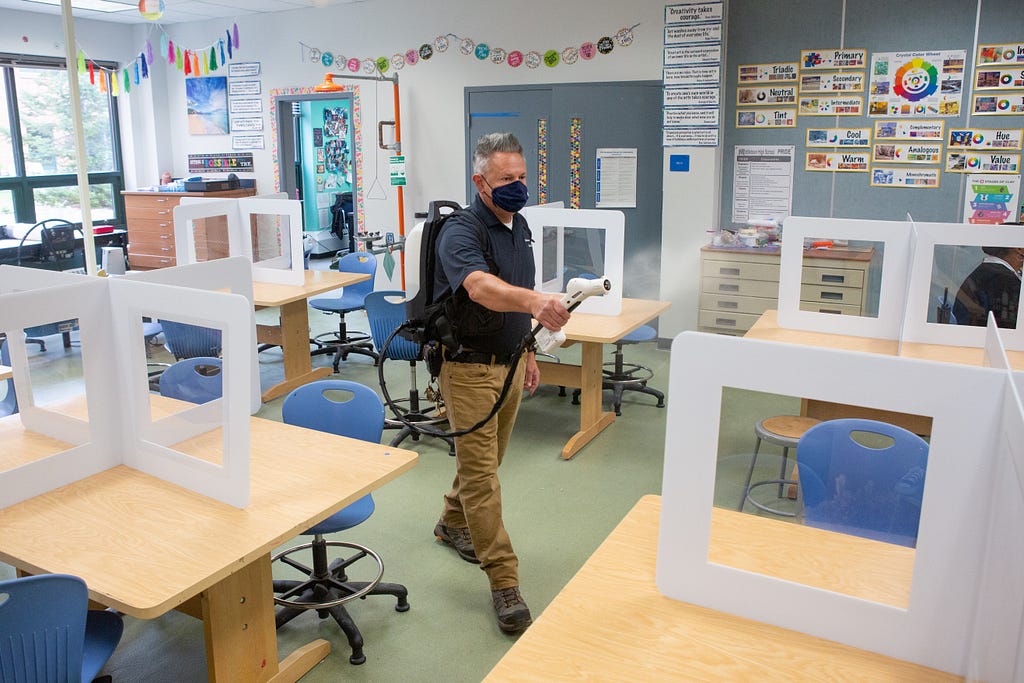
x=478, y=357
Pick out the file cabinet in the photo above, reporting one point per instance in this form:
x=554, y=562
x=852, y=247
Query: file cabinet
x=738, y=284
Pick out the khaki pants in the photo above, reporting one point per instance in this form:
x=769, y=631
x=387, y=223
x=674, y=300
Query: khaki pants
x=470, y=391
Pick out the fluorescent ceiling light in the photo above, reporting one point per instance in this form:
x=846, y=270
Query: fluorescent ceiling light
x=94, y=5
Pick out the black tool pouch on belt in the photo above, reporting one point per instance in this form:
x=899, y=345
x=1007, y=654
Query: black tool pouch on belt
x=457, y=317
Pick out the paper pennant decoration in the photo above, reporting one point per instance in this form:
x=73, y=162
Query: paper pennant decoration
x=470, y=48
x=190, y=61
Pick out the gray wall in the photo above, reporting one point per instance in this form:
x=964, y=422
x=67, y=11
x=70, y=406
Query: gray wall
x=761, y=32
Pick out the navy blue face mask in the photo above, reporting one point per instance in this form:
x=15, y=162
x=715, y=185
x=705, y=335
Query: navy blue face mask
x=511, y=197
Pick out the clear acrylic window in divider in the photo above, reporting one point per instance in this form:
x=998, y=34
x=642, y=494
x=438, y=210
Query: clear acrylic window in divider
x=569, y=252
x=859, y=489
x=56, y=368
x=271, y=237
x=842, y=277
x=967, y=282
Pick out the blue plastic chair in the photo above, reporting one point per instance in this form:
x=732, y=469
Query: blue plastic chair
x=326, y=587
x=862, y=490
x=189, y=341
x=196, y=380
x=343, y=342
x=386, y=311
x=9, y=403
x=48, y=633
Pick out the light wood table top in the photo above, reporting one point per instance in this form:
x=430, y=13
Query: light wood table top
x=608, y=329
x=5, y=373
x=316, y=282
x=767, y=328
x=610, y=623
x=144, y=545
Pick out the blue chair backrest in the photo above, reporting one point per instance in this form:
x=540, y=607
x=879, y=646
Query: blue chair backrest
x=385, y=310
x=189, y=341
x=9, y=403
x=361, y=416
x=196, y=380
x=359, y=262
x=862, y=490
x=42, y=627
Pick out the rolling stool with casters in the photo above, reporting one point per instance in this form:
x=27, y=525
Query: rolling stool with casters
x=784, y=431
x=620, y=376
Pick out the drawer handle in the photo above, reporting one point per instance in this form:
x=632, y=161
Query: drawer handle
x=834, y=279
x=728, y=304
x=163, y=213
x=728, y=271
x=165, y=248
x=725, y=322
x=728, y=288
x=832, y=296
x=165, y=237
x=827, y=310
x=162, y=200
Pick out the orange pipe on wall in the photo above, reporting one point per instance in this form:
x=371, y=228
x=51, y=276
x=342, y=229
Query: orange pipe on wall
x=401, y=197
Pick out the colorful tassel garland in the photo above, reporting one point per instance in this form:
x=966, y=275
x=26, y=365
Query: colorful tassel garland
x=127, y=83
x=171, y=53
x=188, y=64
x=236, y=36
x=81, y=62
x=213, y=59
x=177, y=58
x=92, y=74
x=230, y=56
x=205, y=66
x=136, y=70
x=220, y=44
x=103, y=81
x=195, y=64
x=149, y=51
x=114, y=90
x=145, y=69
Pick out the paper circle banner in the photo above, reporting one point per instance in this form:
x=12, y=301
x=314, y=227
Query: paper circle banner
x=481, y=51
x=151, y=9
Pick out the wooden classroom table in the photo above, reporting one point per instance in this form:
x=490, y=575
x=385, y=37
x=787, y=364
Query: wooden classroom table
x=767, y=328
x=593, y=332
x=610, y=623
x=145, y=546
x=292, y=332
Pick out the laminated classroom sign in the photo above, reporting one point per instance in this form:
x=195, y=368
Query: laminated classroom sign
x=765, y=96
x=985, y=138
x=686, y=55
x=907, y=152
x=909, y=130
x=766, y=118
x=691, y=35
x=982, y=162
x=994, y=78
x=844, y=162
x=999, y=104
x=689, y=116
x=778, y=72
x=826, y=105
x=838, y=137
x=1006, y=53
x=709, y=74
x=832, y=81
x=991, y=199
x=705, y=96
x=832, y=58
x=916, y=84
x=905, y=177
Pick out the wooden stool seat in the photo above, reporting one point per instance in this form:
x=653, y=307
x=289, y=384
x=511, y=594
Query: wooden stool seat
x=784, y=431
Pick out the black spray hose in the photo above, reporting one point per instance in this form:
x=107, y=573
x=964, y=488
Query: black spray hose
x=420, y=428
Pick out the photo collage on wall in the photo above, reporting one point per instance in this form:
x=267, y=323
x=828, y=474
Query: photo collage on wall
x=333, y=156
x=912, y=92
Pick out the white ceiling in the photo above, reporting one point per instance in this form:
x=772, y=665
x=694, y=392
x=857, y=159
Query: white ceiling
x=177, y=11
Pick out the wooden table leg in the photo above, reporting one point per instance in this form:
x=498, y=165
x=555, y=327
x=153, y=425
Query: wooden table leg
x=241, y=639
x=293, y=336
x=592, y=419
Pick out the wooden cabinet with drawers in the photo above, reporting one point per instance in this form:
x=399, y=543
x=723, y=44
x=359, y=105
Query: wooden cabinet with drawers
x=150, y=218
x=739, y=284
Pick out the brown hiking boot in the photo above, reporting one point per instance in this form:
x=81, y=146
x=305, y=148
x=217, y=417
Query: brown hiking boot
x=513, y=614
x=459, y=539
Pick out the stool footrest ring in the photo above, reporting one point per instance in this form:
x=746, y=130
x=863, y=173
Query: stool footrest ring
x=312, y=579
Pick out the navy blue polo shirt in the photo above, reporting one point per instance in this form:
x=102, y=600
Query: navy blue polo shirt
x=460, y=253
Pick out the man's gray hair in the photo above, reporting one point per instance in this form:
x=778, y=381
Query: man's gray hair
x=489, y=145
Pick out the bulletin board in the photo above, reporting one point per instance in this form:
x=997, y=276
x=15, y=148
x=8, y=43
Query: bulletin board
x=761, y=33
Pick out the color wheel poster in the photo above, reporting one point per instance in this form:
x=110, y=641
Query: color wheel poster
x=912, y=84
x=991, y=199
